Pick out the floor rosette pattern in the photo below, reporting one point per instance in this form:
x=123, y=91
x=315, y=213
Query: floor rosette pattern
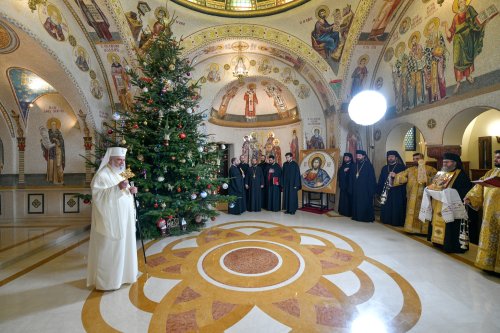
x=299, y=278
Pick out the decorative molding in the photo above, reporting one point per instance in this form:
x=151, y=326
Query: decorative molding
x=36, y=203
x=71, y=203
x=8, y=121
x=9, y=37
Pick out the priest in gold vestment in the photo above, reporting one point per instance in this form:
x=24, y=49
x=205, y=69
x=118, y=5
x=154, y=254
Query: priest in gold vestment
x=488, y=198
x=453, y=176
x=415, y=178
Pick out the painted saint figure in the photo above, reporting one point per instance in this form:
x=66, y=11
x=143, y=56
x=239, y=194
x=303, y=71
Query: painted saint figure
x=95, y=18
x=53, y=23
x=326, y=33
x=316, y=141
x=316, y=177
x=52, y=144
x=250, y=102
x=359, y=75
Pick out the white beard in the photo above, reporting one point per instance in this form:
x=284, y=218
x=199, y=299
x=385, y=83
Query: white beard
x=119, y=169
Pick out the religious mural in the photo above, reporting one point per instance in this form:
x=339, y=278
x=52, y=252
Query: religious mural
x=97, y=20
x=438, y=58
x=377, y=30
x=82, y=59
x=318, y=170
x=259, y=144
x=316, y=140
x=52, y=143
x=252, y=103
x=53, y=21
x=327, y=38
x=359, y=75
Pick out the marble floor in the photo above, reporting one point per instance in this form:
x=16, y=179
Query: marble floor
x=258, y=272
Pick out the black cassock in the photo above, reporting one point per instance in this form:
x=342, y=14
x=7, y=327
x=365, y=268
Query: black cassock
x=237, y=188
x=451, y=242
x=244, y=167
x=393, y=212
x=345, y=198
x=362, y=189
x=263, y=168
x=273, y=181
x=291, y=186
x=254, y=179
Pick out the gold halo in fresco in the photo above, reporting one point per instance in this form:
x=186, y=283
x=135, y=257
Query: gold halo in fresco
x=287, y=272
x=239, y=8
x=9, y=41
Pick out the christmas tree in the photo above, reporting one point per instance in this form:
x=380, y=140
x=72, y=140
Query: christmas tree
x=176, y=166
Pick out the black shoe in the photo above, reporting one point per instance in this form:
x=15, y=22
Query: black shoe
x=292, y=213
x=286, y=212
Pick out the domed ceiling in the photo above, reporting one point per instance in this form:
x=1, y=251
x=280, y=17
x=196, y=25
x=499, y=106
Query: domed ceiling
x=240, y=8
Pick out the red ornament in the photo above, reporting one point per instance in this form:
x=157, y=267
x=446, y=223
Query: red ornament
x=209, y=186
x=135, y=126
x=179, y=126
x=198, y=178
x=179, y=189
x=86, y=201
x=150, y=101
x=182, y=135
x=110, y=131
x=155, y=205
x=173, y=158
x=212, y=218
x=170, y=217
x=161, y=222
x=146, y=79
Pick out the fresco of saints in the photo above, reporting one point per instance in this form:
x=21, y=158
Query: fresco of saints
x=52, y=144
x=359, y=75
x=416, y=64
x=162, y=20
x=213, y=73
x=120, y=80
x=315, y=176
x=228, y=96
x=250, y=102
x=294, y=145
x=384, y=16
x=81, y=59
x=325, y=34
x=467, y=36
x=95, y=18
x=435, y=59
x=316, y=141
x=53, y=23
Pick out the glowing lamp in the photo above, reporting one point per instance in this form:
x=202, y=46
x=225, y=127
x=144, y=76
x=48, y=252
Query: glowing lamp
x=367, y=107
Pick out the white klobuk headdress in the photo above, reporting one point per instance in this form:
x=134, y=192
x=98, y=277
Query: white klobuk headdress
x=112, y=151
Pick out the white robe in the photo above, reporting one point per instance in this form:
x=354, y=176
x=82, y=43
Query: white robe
x=112, y=259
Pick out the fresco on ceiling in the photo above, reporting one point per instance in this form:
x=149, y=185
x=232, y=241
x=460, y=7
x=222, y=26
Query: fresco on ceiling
x=440, y=57
x=81, y=57
x=9, y=41
x=359, y=75
x=121, y=81
x=146, y=23
x=330, y=32
x=254, y=102
x=96, y=89
x=376, y=29
x=94, y=17
x=53, y=21
x=213, y=73
x=27, y=87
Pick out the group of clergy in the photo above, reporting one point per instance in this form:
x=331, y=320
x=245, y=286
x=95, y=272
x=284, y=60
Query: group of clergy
x=261, y=185
x=401, y=191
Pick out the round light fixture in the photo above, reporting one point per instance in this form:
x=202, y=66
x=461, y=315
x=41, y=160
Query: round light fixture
x=367, y=107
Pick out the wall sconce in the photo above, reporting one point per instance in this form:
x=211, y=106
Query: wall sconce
x=33, y=3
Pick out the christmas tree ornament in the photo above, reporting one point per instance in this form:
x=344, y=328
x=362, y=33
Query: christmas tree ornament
x=155, y=205
x=198, y=177
x=222, y=146
x=182, y=135
x=162, y=225
x=170, y=187
x=135, y=126
x=146, y=189
x=123, y=142
x=179, y=189
x=163, y=205
x=212, y=218
x=209, y=186
x=145, y=123
x=160, y=114
x=183, y=224
x=198, y=218
x=171, y=67
x=200, y=149
x=189, y=110
x=193, y=196
x=161, y=178
x=145, y=89
x=150, y=101
x=116, y=116
x=209, y=206
x=203, y=194
x=173, y=158
x=140, y=157
x=110, y=131
x=179, y=126
x=182, y=161
x=225, y=186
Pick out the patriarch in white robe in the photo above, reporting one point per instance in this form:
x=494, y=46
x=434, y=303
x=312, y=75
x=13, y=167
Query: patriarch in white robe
x=112, y=259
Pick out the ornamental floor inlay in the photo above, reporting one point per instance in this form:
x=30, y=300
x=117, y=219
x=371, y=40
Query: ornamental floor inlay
x=278, y=272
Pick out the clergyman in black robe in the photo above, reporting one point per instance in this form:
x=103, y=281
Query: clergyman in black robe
x=273, y=180
x=236, y=188
x=345, y=198
x=393, y=211
x=263, y=166
x=244, y=167
x=291, y=184
x=254, y=184
x=362, y=187
x=452, y=165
